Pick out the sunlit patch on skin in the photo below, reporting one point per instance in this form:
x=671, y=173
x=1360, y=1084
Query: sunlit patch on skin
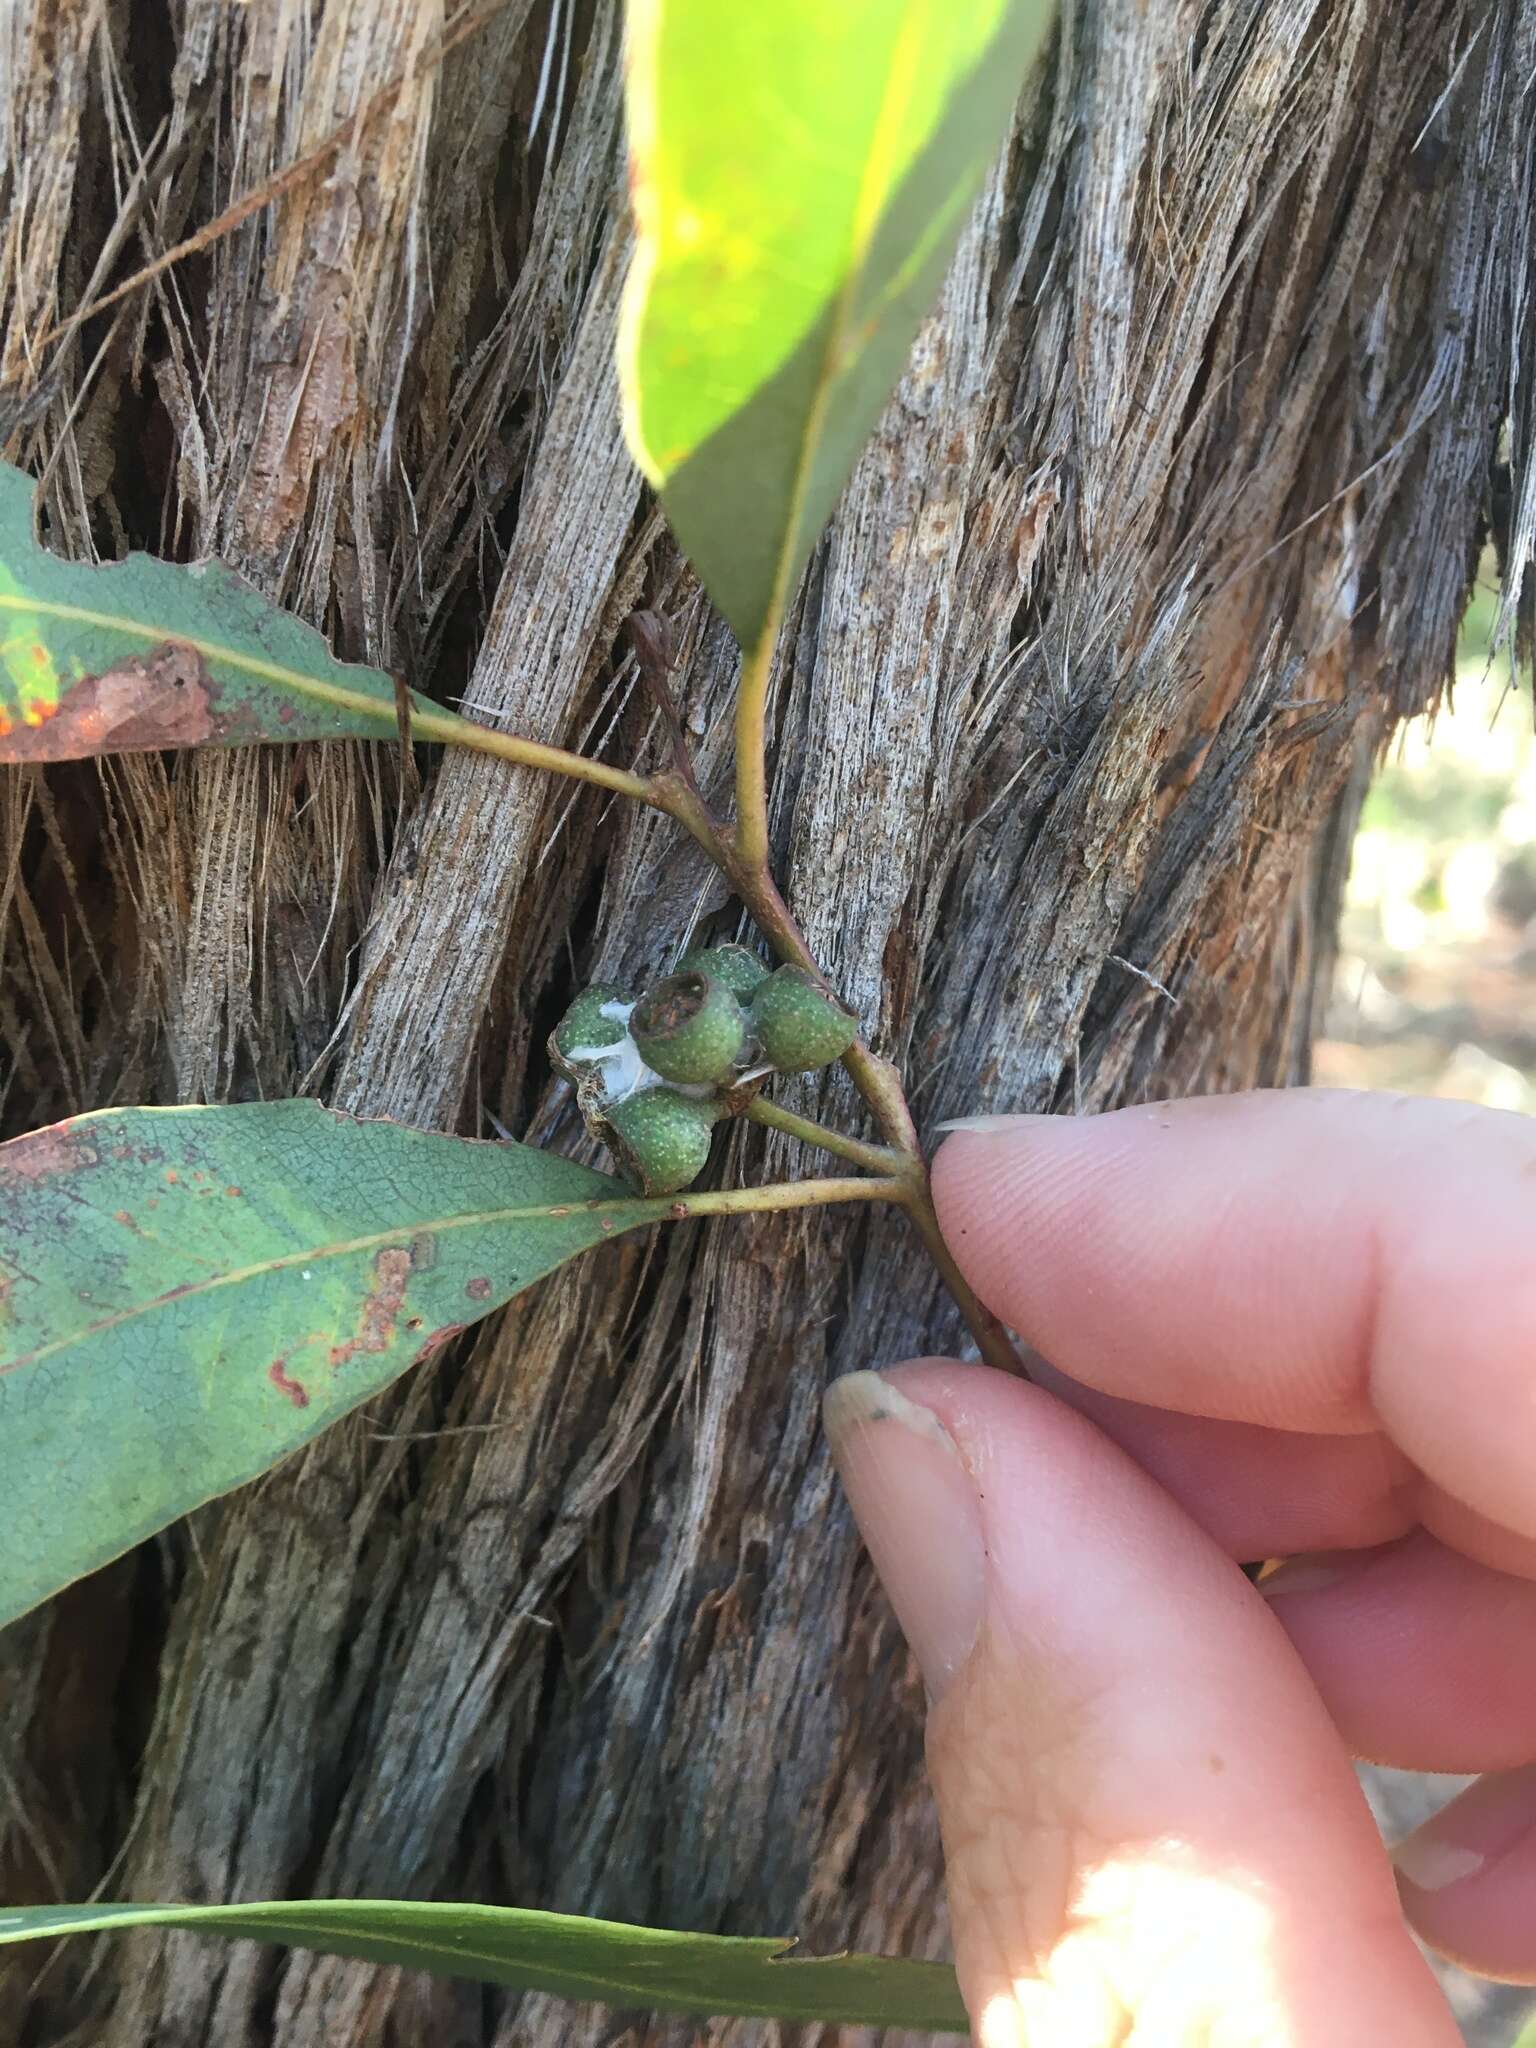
x=1000, y=2024
x=1154, y=1952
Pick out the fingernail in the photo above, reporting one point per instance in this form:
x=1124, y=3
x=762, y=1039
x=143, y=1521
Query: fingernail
x=916, y=1509
x=984, y=1124
x=1480, y=1826
x=1431, y=1865
x=1299, y=1575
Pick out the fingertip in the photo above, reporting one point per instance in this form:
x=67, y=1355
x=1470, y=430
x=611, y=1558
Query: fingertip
x=915, y=1506
x=976, y=1157
x=1468, y=1877
x=1127, y=1749
x=1003, y=1187
x=1425, y=1659
x=1017, y=1195
x=1315, y=1260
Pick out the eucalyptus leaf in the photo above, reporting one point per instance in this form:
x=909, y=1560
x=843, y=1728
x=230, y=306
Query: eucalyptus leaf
x=188, y=1295
x=647, y=1967
x=800, y=174
x=127, y=656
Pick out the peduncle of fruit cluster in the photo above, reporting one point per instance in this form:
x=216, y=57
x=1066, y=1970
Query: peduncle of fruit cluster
x=654, y=1075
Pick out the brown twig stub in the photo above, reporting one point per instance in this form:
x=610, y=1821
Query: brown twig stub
x=654, y=640
x=992, y=1339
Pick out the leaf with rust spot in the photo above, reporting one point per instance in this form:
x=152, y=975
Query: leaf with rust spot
x=128, y=656
x=190, y=1294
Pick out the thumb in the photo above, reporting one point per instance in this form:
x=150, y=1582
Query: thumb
x=1149, y=1823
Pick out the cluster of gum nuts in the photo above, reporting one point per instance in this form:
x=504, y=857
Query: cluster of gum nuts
x=654, y=1076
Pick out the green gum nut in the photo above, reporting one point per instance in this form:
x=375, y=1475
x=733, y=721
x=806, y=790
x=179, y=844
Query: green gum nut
x=660, y=1139
x=585, y=1029
x=689, y=1028
x=737, y=966
x=798, y=1025
x=584, y=1022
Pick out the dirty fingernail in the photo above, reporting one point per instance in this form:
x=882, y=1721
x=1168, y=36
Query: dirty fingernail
x=917, y=1512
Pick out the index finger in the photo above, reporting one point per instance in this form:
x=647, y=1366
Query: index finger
x=1313, y=1260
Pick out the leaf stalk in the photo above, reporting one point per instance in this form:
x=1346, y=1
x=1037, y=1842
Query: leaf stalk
x=751, y=837
x=772, y=1117
x=788, y=1194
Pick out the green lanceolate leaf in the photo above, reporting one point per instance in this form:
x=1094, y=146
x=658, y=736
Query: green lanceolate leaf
x=140, y=654
x=187, y=1295
x=652, y=1968
x=801, y=174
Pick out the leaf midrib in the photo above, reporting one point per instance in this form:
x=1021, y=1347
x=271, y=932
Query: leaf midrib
x=295, y=679
x=874, y=188
x=298, y=1923
x=302, y=1922
x=636, y=1210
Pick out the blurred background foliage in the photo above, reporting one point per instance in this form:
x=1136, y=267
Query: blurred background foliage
x=1435, y=993
x=1437, y=967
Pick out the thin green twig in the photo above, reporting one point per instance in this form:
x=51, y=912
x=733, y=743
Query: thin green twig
x=878, y=1158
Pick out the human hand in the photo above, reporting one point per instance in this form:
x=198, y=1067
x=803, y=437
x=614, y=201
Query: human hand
x=1296, y=1325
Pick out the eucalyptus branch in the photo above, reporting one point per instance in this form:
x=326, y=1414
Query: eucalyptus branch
x=446, y=728
x=877, y=1081
x=992, y=1340
x=878, y=1158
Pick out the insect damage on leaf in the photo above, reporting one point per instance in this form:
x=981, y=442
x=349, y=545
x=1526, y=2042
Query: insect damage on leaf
x=130, y=656
x=188, y=1295
x=161, y=699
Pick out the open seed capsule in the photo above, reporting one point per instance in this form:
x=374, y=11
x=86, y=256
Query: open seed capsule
x=594, y=1023
x=689, y=1028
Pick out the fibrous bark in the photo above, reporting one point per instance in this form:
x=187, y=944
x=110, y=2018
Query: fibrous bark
x=1172, y=517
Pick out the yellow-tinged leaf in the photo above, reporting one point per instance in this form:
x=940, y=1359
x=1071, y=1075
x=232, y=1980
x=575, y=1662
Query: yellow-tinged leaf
x=800, y=176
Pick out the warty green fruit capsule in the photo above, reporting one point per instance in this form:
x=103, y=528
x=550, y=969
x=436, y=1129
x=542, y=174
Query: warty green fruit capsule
x=660, y=1139
x=595, y=1022
x=798, y=1025
x=689, y=1028
x=737, y=966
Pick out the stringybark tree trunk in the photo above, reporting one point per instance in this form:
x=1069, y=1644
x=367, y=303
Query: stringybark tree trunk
x=1170, y=521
